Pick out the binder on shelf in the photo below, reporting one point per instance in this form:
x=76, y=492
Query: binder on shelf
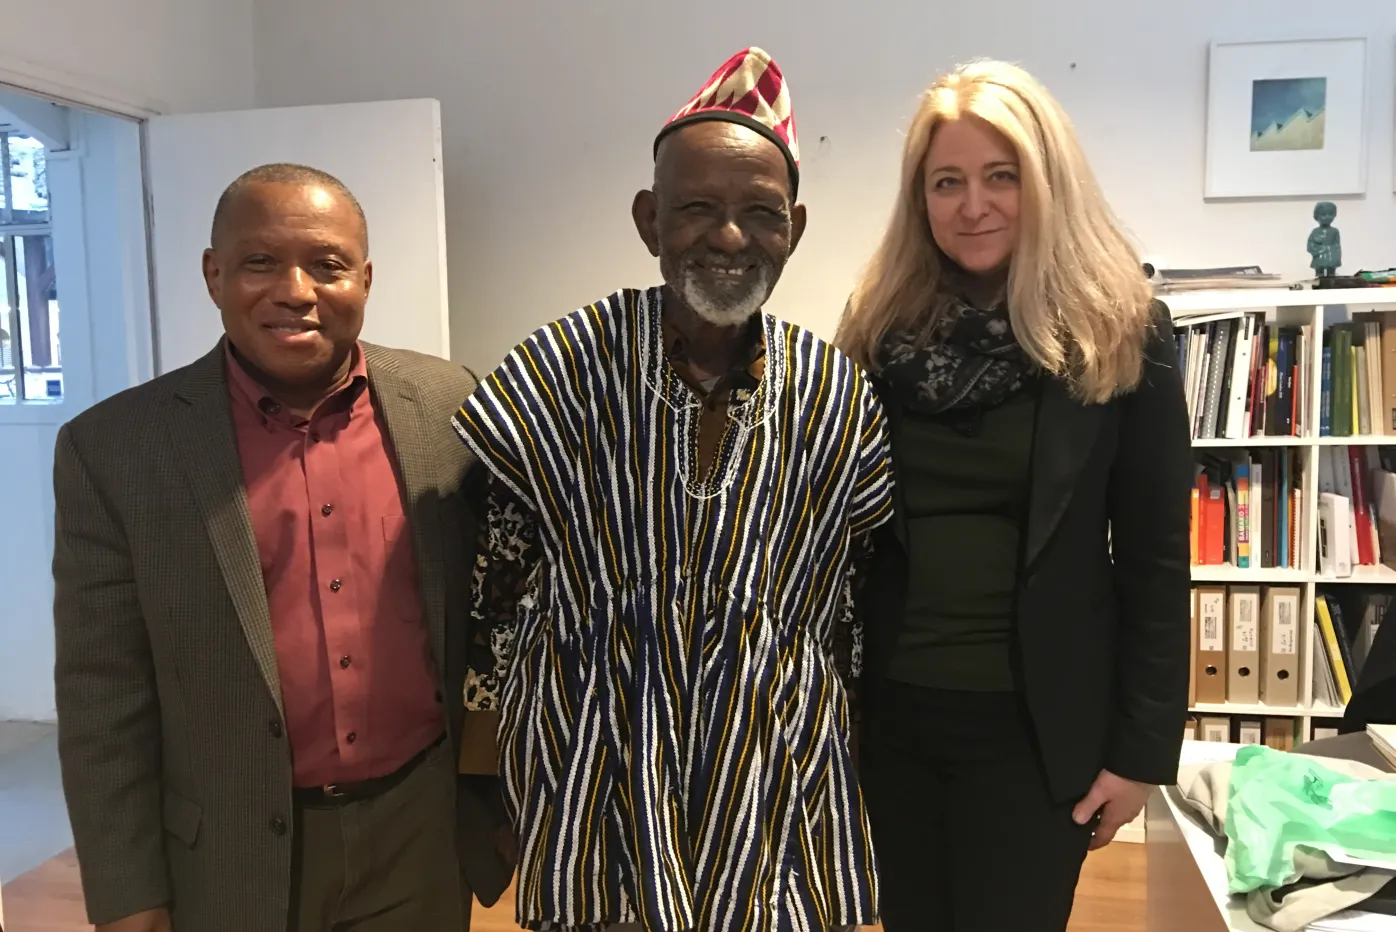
x=1279, y=647
x=1210, y=661
x=1214, y=728
x=1279, y=733
x=1243, y=646
x=1192, y=649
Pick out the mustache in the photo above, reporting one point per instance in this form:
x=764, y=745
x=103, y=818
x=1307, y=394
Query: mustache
x=757, y=259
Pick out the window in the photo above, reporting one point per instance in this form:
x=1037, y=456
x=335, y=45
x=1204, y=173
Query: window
x=31, y=369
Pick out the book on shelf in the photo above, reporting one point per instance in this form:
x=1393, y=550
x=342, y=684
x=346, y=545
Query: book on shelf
x=1358, y=391
x=1172, y=281
x=1244, y=377
x=1249, y=510
x=1346, y=625
x=1357, y=509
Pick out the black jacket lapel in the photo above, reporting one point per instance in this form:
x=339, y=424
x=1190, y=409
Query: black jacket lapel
x=1065, y=435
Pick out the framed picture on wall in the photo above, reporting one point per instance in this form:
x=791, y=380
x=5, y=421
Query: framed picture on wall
x=1287, y=119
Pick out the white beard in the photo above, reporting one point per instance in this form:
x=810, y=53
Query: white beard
x=725, y=310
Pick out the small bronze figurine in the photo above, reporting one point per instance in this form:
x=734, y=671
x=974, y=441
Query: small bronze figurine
x=1325, y=245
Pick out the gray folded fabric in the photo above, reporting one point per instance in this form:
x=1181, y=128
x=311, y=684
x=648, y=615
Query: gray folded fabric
x=1325, y=887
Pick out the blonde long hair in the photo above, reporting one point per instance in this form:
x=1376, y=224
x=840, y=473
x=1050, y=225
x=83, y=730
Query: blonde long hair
x=1077, y=295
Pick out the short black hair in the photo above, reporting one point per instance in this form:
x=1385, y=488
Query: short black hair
x=281, y=173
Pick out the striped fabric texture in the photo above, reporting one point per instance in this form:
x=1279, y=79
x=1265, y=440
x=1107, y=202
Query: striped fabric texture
x=674, y=738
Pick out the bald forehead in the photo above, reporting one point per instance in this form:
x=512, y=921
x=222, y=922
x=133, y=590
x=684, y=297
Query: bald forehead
x=702, y=150
x=255, y=205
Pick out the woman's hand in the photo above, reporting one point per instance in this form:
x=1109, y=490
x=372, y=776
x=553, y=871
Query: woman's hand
x=1117, y=800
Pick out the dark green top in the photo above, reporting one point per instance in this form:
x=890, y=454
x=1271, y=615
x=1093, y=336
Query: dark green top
x=965, y=484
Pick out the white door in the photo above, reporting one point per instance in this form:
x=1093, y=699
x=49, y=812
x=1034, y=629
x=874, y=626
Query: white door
x=387, y=153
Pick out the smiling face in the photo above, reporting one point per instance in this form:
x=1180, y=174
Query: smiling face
x=720, y=219
x=973, y=194
x=290, y=274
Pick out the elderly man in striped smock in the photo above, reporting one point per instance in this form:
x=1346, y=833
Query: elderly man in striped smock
x=679, y=487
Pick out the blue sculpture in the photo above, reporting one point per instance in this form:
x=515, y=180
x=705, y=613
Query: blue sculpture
x=1325, y=245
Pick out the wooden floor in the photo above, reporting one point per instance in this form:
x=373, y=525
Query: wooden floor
x=1109, y=899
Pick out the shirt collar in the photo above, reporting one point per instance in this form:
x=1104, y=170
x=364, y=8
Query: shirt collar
x=246, y=390
x=748, y=365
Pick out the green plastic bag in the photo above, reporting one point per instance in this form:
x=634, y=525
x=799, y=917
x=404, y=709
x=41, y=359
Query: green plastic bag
x=1281, y=804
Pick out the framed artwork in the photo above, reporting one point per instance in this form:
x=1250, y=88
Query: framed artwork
x=1287, y=119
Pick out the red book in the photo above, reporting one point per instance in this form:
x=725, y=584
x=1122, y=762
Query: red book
x=1361, y=517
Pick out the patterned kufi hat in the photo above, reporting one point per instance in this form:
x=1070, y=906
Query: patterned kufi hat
x=749, y=89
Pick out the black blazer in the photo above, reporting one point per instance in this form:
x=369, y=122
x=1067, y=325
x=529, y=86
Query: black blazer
x=1101, y=639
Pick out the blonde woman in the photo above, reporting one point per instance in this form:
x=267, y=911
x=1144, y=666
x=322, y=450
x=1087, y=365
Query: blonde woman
x=1027, y=609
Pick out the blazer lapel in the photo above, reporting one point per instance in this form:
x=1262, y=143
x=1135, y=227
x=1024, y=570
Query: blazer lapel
x=203, y=438
x=1065, y=434
x=412, y=439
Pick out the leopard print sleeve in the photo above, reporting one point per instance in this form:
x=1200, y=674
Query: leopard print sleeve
x=848, y=626
x=508, y=555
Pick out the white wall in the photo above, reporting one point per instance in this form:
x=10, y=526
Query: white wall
x=162, y=55
x=549, y=110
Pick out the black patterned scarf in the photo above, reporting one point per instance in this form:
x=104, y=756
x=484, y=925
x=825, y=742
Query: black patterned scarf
x=970, y=361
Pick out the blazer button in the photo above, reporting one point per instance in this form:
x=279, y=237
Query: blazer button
x=278, y=826
x=334, y=585
x=275, y=728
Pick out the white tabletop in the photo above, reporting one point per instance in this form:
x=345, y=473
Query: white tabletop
x=1208, y=850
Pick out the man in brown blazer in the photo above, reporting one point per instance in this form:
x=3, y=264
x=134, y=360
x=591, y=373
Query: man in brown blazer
x=262, y=601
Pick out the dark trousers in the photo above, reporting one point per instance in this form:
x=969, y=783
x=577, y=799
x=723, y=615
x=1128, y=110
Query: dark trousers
x=968, y=838
x=385, y=864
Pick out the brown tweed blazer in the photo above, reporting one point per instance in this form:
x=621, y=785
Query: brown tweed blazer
x=177, y=779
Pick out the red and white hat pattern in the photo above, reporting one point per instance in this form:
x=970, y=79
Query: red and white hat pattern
x=748, y=89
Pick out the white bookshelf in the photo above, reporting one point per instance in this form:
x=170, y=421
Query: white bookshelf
x=1291, y=308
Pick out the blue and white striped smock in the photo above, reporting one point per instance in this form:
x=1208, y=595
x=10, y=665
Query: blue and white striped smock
x=673, y=739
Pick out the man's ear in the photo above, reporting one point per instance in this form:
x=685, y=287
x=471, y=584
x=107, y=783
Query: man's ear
x=797, y=225
x=212, y=273
x=644, y=210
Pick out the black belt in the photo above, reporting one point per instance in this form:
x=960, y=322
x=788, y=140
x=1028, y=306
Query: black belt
x=334, y=795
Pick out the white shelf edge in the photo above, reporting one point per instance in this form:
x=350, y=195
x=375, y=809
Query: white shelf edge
x=1357, y=440
x=1234, y=708
x=1245, y=443
x=1361, y=576
x=1249, y=442
x=1240, y=299
x=1226, y=573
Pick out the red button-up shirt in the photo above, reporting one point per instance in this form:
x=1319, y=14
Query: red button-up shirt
x=357, y=680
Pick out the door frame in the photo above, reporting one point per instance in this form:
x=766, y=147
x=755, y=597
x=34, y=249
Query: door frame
x=31, y=78
x=137, y=316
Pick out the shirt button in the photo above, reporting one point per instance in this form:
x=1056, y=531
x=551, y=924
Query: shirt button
x=275, y=728
x=278, y=826
x=314, y=436
x=335, y=585
x=344, y=662
x=326, y=509
x=351, y=737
